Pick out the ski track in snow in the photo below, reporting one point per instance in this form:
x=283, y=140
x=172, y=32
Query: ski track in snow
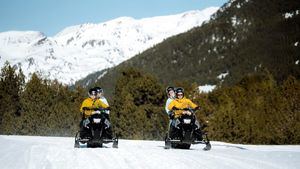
x=32, y=152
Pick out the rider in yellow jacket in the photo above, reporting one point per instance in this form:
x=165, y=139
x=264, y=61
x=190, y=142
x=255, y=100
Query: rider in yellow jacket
x=88, y=106
x=91, y=103
x=180, y=103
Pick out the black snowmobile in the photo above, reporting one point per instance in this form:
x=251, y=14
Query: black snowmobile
x=185, y=131
x=97, y=131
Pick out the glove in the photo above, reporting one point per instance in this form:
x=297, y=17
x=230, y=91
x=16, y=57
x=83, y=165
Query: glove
x=85, y=108
x=175, y=108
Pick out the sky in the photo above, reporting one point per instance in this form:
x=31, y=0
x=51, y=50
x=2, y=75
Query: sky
x=52, y=16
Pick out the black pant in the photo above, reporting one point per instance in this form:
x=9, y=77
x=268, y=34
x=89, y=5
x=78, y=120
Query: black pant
x=84, y=132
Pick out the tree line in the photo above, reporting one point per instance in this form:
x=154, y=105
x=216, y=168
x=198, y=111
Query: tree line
x=256, y=110
x=37, y=107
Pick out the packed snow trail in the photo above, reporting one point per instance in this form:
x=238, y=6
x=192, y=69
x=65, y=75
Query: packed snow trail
x=20, y=152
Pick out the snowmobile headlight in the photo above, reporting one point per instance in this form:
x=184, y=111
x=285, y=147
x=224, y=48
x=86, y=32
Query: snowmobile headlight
x=187, y=121
x=97, y=120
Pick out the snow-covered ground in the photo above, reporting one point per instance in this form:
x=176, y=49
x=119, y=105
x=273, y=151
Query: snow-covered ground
x=18, y=152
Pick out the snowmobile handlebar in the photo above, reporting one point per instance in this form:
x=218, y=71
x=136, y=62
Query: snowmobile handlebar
x=95, y=109
x=172, y=113
x=186, y=109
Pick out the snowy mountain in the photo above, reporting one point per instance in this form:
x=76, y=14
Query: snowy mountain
x=80, y=50
x=27, y=152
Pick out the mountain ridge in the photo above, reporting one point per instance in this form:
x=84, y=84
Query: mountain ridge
x=79, y=50
x=241, y=38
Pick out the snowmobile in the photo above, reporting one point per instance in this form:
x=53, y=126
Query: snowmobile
x=186, y=130
x=97, y=131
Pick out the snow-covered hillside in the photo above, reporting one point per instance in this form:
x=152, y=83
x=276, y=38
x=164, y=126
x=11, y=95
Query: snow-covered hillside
x=80, y=50
x=25, y=152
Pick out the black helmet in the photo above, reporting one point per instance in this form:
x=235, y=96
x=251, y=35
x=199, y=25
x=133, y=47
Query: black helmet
x=92, y=91
x=99, y=89
x=179, y=90
x=170, y=88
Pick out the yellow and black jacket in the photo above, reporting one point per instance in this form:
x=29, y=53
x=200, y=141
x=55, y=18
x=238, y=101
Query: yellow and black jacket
x=91, y=104
x=181, y=104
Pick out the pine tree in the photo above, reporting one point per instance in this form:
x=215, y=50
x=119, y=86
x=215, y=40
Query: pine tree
x=11, y=86
x=256, y=111
x=138, y=106
x=290, y=126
